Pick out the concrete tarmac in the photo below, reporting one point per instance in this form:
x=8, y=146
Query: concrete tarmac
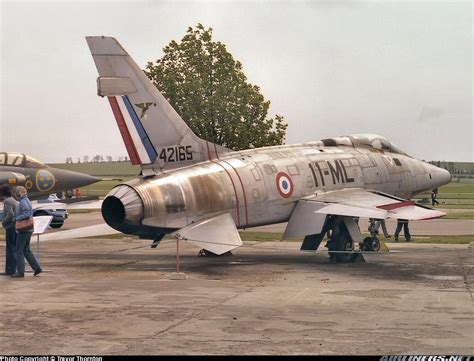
x=114, y=297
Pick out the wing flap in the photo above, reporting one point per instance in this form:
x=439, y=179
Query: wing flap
x=352, y=211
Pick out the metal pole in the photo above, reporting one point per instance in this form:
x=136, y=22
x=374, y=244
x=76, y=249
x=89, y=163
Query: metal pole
x=38, y=247
x=177, y=253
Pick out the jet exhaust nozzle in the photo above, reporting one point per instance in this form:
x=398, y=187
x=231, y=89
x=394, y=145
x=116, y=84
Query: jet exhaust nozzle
x=122, y=209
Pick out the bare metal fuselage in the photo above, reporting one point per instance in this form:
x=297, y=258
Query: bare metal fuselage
x=245, y=184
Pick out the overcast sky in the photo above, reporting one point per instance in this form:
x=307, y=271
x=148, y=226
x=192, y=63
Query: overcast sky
x=399, y=69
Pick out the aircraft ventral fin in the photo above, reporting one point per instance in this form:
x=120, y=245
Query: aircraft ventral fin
x=217, y=234
x=371, y=204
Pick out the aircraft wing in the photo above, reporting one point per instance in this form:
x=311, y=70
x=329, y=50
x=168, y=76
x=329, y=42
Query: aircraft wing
x=309, y=215
x=371, y=204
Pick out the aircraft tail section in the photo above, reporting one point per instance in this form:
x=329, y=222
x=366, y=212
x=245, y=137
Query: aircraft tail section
x=154, y=134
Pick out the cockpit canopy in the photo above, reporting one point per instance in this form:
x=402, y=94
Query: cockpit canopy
x=19, y=160
x=363, y=140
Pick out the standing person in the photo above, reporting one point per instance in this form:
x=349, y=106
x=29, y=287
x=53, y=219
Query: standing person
x=23, y=237
x=381, y=222
x=434, y=195
x=372, y=230
x=402, y=223
x=10, y=208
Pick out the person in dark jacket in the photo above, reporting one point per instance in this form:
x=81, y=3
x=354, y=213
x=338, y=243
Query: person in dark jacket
x=10, y=208
x=434, y=195
x=22, y=250
x=381, y=222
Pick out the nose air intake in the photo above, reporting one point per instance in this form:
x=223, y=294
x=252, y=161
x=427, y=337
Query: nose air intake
x=122, y=209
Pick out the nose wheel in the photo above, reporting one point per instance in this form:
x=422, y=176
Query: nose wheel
x=371, y=244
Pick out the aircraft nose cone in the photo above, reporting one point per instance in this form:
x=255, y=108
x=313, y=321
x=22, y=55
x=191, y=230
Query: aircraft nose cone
x=440, y=176
x=445, y=176
x=66, y=179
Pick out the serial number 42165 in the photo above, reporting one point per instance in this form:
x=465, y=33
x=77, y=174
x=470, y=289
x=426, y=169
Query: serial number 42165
x=176, y=154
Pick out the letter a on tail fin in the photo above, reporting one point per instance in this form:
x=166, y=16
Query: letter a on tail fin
x=154, y=134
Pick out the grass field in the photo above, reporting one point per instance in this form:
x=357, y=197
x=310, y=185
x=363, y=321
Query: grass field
x=276, y=236
x=122, y=169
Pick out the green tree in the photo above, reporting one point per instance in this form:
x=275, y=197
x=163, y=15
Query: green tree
x=208, y=88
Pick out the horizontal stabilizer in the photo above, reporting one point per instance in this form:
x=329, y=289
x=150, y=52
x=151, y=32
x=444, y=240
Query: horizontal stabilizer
x=217, y=234
x=83, y=232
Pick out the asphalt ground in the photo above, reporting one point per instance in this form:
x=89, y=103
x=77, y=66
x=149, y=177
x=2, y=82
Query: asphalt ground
x=114, y=296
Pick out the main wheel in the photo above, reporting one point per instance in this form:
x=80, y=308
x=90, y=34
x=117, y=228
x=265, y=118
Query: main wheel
x=340, y=247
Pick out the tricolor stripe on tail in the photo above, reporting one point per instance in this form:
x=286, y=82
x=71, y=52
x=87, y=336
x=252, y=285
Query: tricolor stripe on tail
x=137, y=142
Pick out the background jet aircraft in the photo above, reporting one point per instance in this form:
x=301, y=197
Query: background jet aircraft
x=39, y=179
x=206, y=192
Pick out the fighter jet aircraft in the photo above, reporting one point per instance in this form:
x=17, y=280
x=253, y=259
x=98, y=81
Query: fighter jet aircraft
x=39, y=179
x=204, y=193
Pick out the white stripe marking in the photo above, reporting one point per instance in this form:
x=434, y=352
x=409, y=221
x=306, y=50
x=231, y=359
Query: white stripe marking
x=133, y=132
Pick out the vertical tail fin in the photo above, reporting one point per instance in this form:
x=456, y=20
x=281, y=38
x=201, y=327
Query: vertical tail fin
x=154, y=134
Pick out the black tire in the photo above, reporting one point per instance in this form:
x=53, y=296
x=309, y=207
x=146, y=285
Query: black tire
x=375, y=244
x=341, y=243
x=56, y=225
x=367, y=244
x=371, y=244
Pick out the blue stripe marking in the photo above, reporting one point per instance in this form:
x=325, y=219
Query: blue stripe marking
x=150, y=149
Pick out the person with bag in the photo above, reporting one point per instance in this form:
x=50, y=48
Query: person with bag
x=10, y=206
x=24, y=227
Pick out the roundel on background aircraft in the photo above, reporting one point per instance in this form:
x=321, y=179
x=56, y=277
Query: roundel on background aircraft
x=44, y=180
x=284, y=185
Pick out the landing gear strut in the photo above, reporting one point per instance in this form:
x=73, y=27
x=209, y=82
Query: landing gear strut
x=340, y=244
x=345, y=242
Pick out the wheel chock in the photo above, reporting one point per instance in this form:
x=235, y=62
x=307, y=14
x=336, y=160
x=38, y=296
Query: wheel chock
x=383, y=247
x=358, y=258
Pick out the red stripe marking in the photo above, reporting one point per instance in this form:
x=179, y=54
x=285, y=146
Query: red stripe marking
x=208, y=151
x=127, y=138
x=391, y=206
x=243, y=191
x=215, y=150
x=235, y=191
